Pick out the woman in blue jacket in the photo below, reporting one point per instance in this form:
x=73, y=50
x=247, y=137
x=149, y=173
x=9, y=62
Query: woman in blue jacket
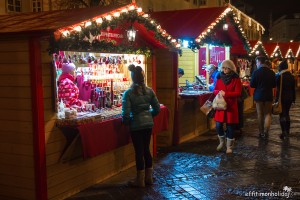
x=139, y=106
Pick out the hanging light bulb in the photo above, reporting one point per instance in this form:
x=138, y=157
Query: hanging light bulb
x=225, y=27
x=131, y=33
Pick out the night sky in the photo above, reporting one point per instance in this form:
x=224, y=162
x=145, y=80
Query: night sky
x=262, y=8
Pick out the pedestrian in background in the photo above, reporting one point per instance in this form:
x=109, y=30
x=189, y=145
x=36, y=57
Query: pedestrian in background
x=137, y=113
x=288, y=96
x=212, y=73
x=229, y=86
x=263, y=80
x=180, y=72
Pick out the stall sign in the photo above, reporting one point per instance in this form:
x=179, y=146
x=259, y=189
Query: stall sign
x=115, y=36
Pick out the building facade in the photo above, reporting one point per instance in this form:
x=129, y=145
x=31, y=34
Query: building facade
x=286, y=28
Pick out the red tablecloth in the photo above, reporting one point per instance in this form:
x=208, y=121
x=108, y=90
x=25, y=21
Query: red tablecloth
x=101, y=137
x=161, y=123
x=204, y=97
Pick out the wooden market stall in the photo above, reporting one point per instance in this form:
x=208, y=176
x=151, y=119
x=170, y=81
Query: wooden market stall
x=206, y=36
x=31, y=143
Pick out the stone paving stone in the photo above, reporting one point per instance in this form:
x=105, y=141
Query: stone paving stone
x=194, y=170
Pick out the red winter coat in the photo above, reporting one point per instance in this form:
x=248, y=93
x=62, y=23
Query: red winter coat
x=232, y=91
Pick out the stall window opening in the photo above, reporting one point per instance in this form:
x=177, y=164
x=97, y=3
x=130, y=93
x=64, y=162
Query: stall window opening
x=101, y=78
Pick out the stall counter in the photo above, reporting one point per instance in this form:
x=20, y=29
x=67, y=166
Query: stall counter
x=191, y=121
x=98, y=137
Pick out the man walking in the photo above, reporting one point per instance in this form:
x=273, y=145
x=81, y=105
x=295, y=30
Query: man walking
x=263, y=80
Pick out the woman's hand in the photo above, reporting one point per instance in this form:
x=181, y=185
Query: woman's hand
x=221, y=92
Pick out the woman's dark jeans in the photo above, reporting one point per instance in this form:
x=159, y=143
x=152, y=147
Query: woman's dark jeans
x=284, y=117
x=141, y=142
x=229, y=129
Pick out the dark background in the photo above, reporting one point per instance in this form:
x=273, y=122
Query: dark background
x=260, y=10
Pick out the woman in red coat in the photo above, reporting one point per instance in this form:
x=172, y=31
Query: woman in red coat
x=230, y=87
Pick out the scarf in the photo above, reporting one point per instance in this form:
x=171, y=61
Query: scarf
x=64, y=76
x=226, y=78
x=283, y=71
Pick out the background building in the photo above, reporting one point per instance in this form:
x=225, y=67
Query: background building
x=286, y=28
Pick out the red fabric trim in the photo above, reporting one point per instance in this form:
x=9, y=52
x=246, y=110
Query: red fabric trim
x=38, y=119
x=176, y=136
x=187, y=23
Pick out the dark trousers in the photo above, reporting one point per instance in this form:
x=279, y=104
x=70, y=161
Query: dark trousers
x=141, y=142
x=284, y=117
x=241, y=114
x=229, y=130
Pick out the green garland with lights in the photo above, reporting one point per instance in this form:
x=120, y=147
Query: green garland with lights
x=80, y=41
x=210, y=38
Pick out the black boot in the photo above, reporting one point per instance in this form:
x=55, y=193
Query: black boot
x=283, y=135
x=288, y=125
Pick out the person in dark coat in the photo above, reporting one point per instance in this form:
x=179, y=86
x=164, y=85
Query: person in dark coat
x=139, y=106
x=229, y=86
x=288, y=96
x=263, y=80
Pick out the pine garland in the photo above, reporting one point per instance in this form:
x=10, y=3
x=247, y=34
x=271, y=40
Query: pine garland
x=211, y=38
x=80, y=40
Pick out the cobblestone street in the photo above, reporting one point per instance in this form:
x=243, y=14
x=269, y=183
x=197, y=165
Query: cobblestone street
x=194, y=170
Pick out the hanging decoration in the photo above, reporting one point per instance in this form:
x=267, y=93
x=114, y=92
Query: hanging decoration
x=83, y=36
x=208, y=36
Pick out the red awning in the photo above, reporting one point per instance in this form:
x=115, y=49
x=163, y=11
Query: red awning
x=187, y=23
x=191, y=23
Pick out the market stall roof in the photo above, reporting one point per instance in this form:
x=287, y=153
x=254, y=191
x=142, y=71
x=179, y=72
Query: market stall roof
x=88, y=23
x=282, y=49
x=272, y=48
x=258, y=48
x=203, y=23
x=49, y=20
x=289, y=48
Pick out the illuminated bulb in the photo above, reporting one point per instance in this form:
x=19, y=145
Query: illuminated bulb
x=77, y=28
x=88, y=24
x=225, y=27
x=116, y=14
x=178, y=45
x=169, y=37
x=198, y=40
x=66, y=33
x=146, y=15
x=108, y=17
x=139, y=10
x=99, y=20
x=173, y=40
x=131, y=7
x=158, y=27
x=208, y=30
x=152, y=22
x=124, y=10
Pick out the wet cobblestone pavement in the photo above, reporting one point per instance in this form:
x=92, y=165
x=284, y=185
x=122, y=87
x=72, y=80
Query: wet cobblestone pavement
x=195, y=170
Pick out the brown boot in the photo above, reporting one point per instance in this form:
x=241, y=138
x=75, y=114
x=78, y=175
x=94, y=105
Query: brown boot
x=149, y=176
x=139, y=181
